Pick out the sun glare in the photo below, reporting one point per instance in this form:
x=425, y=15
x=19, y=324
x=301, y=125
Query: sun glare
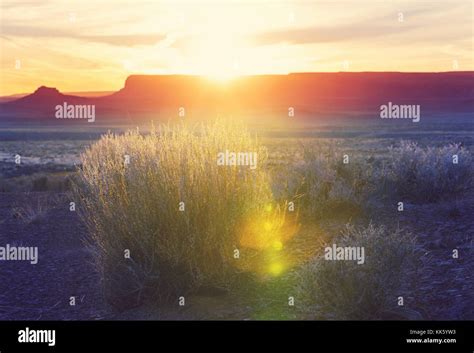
x=217, y=52
x=221, y=77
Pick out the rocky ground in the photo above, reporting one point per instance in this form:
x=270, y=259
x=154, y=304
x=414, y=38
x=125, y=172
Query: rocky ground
x=445, y=288
x=43, y=291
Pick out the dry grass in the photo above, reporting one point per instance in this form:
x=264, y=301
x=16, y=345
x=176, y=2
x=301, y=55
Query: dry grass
x=33, y=211
x=135, y=206
x=53, y=182
x=425, y=174
x=345, y=290
x=329, y=188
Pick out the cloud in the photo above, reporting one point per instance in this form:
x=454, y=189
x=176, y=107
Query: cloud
x=327, y=34
x=128, y=40
x=428, y=19
x=5, y=4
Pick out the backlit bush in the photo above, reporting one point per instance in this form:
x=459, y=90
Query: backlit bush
x=329, y=186
x=425, y=174
x=131, y=191
x=341, y=289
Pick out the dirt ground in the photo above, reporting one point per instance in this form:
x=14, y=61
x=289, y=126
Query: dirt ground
x=65, y=269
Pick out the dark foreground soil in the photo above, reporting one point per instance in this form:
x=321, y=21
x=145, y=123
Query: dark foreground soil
x=64, y=270
x=43, y=291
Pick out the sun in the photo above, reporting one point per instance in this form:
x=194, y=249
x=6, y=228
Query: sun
x=218, y=57
x=221, y=77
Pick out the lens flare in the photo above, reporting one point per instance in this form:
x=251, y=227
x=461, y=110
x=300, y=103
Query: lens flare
x=277, y=245
x=276, y=269
x=267, y=242
x=267, y=226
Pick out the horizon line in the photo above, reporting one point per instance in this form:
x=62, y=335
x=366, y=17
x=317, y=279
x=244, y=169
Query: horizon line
x=240, y=76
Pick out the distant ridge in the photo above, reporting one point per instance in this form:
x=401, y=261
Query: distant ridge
x=319, y=93
x=44, y=99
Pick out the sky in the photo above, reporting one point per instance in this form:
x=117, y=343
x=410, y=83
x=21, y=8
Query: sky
x=87, y=45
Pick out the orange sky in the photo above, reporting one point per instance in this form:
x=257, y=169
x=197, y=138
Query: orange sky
x=94, y=45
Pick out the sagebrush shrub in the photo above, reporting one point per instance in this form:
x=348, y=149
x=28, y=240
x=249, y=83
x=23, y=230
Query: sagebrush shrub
x=344, y=290
x=329, y=187
x=425, y=174
x=135, y=206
